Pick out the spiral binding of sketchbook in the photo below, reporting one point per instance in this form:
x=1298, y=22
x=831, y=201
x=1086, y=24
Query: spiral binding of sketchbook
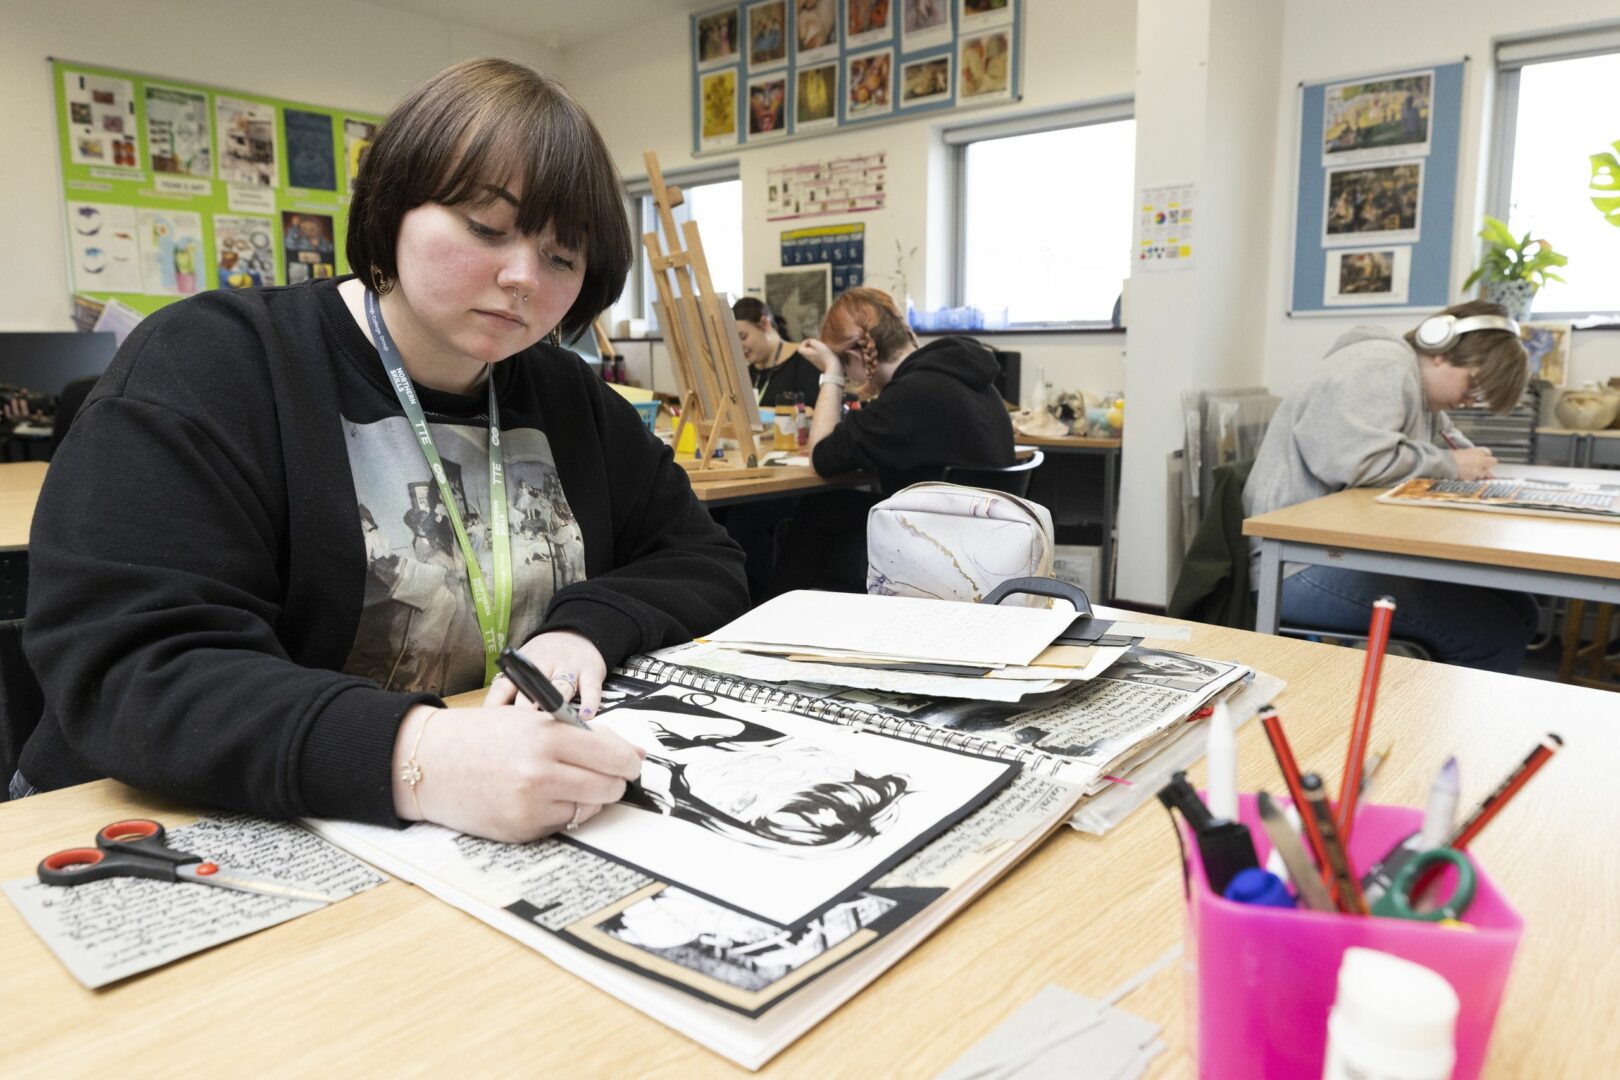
x=854, y=714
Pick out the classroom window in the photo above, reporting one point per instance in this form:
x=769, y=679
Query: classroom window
x=717, y=208
x=1555, y=110
x=1044, y=221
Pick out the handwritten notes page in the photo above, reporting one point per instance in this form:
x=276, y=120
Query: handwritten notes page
x=108, y=930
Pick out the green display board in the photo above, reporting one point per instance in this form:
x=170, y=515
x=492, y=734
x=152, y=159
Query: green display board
x=172, y=188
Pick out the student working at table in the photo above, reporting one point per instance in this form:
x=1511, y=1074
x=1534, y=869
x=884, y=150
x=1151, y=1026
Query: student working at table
x=774, y=363
x=929, y=407
x=256, y=558
x=1374, y=416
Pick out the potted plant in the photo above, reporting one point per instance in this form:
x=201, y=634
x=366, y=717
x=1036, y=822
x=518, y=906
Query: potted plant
x=1512, y=270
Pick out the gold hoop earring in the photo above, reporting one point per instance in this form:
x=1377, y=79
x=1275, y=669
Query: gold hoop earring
x=380, y=284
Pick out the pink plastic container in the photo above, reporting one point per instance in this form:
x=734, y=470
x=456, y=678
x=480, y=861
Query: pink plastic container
x=1263, y=979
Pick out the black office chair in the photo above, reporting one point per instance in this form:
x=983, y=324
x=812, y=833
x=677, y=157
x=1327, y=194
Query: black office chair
x=1013, y=479
x=21, y=702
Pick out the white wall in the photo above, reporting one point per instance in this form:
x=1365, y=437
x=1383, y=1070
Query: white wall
x=637, y=86
x=1385, y=34
x=325, y=52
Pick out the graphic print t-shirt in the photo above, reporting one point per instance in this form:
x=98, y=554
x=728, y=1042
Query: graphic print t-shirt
x=418, y=630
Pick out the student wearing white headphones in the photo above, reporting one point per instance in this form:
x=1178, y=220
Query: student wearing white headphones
x=1373, y=416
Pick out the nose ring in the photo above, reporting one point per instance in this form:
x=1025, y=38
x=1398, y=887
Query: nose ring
x=519, y=298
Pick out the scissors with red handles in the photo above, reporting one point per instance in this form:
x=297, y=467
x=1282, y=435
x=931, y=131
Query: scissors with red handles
x=136, y=848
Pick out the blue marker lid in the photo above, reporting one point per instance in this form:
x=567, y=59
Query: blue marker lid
x=1262, y=887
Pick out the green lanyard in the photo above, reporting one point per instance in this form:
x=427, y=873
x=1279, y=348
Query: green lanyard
x=494, y=615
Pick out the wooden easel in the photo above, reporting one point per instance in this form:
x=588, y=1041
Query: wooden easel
x=716, y=396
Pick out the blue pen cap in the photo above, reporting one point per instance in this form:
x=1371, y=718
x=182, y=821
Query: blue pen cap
x=1262, y=887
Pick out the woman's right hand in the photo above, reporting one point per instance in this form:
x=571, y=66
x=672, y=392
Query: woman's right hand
x=1475, y=463
x=820, y=354
x=507, y=774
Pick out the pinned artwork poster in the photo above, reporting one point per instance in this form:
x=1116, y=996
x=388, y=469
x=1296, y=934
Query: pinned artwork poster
x=106, y=253
x=719, y=109
x=1371, y=277
x=1373, y=204
x=1377, y=119
x=101, y=121
x=171, y=244
x=244, y=251
x=246, y=131
x=357, y=136
x=816, y=102
x=767, y=35
x=815, y=29
x=178, y=133
x=801, y=295
x=841, y=247
x=924, y=82
x=924, y=24
x=1547, y=344
x=985, y=66
x=976, y=15
x=307, y=246
x=310, y=148
x=867, y=22
x=767, y=107
x=871, y=84
x=717, y=39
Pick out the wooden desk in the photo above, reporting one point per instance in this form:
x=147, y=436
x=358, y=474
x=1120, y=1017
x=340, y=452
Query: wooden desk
x=393, y=981
x=1349, y=529
x=793, y=480
x=20, y=482
x=1066, y=501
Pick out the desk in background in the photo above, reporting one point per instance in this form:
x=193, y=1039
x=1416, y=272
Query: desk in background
x=1351, y=530
x=20, y=482
x=1079, y=484
x=394, y=981
x=793, y=480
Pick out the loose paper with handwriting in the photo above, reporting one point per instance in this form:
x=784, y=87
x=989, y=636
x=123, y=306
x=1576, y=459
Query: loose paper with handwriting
x=107, y=930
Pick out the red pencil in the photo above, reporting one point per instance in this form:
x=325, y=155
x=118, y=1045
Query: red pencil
x=1493, y=804
x=1497, y=799
x=1296, y=791
x=1383, y=613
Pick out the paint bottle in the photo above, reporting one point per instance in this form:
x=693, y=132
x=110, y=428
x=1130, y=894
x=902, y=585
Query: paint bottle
x=1392, y=1020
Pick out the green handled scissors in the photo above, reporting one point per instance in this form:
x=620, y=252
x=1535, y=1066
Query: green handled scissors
x=1396, y=903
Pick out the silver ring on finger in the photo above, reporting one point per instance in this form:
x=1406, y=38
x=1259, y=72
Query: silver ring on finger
x=573, y=822
x=566, y=676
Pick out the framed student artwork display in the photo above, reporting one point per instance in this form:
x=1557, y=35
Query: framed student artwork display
x=764, y=70
x=171, y=188
x=1377, y=191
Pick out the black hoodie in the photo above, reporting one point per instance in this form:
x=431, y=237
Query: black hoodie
x=941, y=408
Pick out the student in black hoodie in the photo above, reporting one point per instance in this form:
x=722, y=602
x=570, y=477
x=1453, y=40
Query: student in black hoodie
x=930, y=406
x=274, y=542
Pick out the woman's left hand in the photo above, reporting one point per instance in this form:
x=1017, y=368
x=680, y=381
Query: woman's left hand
x=569, y=660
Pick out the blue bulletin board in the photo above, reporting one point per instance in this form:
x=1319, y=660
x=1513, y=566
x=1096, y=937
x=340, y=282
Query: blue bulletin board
x=1377, y=192
x=768, y=70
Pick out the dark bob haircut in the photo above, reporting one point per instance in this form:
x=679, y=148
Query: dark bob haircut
x=492, y=123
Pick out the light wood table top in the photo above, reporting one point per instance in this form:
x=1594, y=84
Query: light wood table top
x=1354, y=519
x=784, y=480
x=393, y=981
x=20, y=482
x=1068, y=442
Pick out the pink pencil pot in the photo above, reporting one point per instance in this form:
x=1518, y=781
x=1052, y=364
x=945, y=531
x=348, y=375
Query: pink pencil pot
x=1262, y=979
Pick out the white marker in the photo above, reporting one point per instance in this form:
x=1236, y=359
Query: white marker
x=1221, y=753
x=1440, y=817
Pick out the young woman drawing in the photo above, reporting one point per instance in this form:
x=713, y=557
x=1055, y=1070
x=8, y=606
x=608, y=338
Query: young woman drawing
x=229, y=627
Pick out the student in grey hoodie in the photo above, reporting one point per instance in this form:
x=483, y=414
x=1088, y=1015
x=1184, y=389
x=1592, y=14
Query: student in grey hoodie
x=1373, y=417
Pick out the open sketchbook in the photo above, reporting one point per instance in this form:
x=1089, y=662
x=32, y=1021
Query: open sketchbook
x=1078, y=735
x=686, y=942
x=1511, y=495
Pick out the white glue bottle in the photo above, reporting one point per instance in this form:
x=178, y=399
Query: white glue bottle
x=1393, y=1020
